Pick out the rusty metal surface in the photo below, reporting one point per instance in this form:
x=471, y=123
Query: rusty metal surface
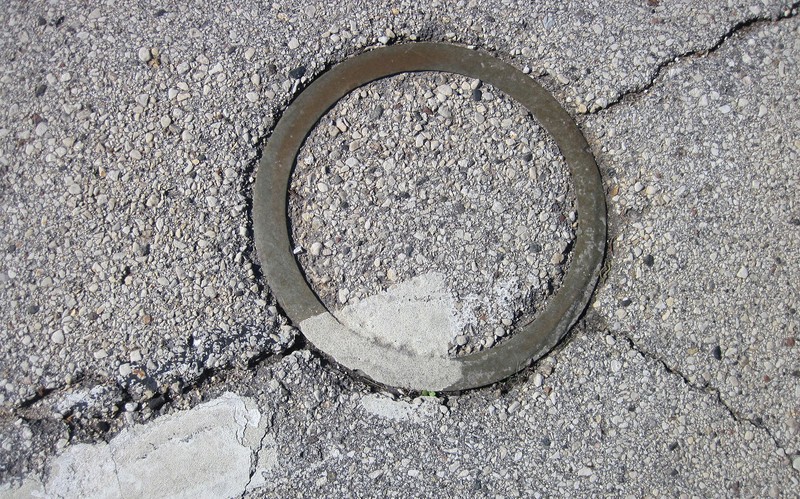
x=273, y=240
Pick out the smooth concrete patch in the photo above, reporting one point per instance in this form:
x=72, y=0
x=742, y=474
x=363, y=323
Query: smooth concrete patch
x=399, y=337
x=418, y=316
x=207, y=451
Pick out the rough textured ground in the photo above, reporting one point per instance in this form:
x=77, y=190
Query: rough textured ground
x=435, y=173
x=130, y=289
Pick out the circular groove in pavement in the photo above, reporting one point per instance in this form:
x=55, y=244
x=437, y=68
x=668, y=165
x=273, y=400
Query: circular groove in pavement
x=285, y=278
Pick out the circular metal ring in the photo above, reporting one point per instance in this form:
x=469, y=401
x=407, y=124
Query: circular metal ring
x=379, y=361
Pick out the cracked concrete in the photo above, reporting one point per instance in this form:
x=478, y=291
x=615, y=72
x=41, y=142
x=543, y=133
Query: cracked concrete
x=752, y=160
x=714, y=393
x=681, y=381
x=207, y=450
x=737, y=29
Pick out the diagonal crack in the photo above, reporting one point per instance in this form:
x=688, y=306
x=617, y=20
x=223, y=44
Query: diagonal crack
x=707, y=389
x=743, y=26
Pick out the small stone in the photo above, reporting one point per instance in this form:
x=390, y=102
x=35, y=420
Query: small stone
x=376, y=112
x=343, y=295
x=585, y=471
x=476, y=95
x=209, y=292
x=252, y=96
x=144, y=54
x=743, y=273
x=445, y=90
x=461, y=340
x=558, y=257
x=796, y=463
x=165, y=121
x=156, y=403
x=648, y=260
x=316, y=249
x=57, y=337
x=40, y=90
x=293, y=43
x=297, y=72
x=391, y=275
x=499, y=331
x=249, y=53
x=100, y=354
x=716, y=352
x=538, y=380
x=638, y=187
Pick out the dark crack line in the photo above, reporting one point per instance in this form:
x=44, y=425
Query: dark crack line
x=256, y=454
x=708, y=389
x=738, y=28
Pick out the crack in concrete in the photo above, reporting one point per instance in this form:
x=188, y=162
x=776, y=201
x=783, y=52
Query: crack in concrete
x=256, y=453
x=254, y=460
x=707, y=388
x=116, y=469
x=743, y=26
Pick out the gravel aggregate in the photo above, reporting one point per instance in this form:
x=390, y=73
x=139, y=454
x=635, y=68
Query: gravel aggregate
x=129, y=287
x=411, y=175
x=712, y=289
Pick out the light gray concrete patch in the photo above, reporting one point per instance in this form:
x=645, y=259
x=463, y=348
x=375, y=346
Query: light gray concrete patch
x=208, y=450
x=417, y=316
x=380, y=361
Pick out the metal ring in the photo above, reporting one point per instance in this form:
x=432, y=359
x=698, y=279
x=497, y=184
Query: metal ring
x=381, y=362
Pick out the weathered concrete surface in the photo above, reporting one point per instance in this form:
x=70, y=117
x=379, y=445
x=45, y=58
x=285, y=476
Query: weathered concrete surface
x=127, y=269
x=212, y=450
